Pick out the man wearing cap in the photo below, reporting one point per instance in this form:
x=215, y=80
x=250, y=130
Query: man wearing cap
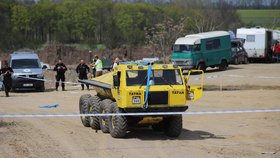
x=98, y=66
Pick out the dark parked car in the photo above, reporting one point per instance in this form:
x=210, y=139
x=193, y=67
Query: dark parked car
x=239, y=54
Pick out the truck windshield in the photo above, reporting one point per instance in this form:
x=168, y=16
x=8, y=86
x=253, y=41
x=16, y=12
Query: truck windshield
x=25, y=63
x=182, y=48
x=159, y=77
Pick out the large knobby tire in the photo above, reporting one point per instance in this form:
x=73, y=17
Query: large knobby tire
x=223, y=65
x=173, y=125
x=117, y=124
x=94, y=103
x=158, y=127
x=105, y=108
x=201, y=66
x=84, y=108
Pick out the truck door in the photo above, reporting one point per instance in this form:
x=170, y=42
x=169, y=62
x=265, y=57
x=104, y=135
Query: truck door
x=212, y=52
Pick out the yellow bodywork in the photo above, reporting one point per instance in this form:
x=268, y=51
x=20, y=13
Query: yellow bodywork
x=134, y=96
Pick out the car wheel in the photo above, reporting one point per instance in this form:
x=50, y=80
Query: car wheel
x=223, y=65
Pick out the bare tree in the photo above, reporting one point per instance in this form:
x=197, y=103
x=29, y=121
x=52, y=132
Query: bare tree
x=163, y=35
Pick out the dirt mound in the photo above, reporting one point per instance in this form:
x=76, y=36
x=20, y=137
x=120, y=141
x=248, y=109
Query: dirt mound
x=71, y=55
x=52, y=52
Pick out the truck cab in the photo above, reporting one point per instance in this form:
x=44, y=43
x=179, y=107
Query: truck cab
x=166, y=88
x=199, y=51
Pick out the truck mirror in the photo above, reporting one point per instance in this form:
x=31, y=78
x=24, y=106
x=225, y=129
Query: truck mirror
x=116, y=81
x=172, y=47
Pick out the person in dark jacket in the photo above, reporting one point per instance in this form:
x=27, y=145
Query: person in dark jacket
x=82, y=70
x=7, y=72
x=60, y=69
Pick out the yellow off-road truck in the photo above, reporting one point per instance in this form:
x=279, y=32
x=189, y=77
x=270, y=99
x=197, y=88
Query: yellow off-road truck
x=139, y=88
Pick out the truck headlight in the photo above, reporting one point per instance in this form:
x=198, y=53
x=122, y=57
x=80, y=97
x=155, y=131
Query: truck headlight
x=190, y=95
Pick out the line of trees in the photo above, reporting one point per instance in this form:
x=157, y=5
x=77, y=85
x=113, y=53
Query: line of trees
x=112, y=24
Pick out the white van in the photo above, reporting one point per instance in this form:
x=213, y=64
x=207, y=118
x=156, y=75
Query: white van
x=28, y=73
x=258, y=42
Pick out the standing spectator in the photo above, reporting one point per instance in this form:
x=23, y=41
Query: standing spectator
x=93, y=67
x=116, y=62
x=98, y=65
x=7, y=72
x=60, y=69
x=82, y=70
x=276, y=50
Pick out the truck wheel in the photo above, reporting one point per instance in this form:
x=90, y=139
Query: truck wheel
x=201, y=66
x=173, y=125
x=223, y=65
x=84, y=108
x=94, y=108
x=159, y=127
x=105, y=109
x=117, y=124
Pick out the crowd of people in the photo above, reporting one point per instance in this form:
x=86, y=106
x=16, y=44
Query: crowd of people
x=60, y=68
x=82, y=70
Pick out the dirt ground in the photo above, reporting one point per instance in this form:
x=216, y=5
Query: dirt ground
x=253, y=86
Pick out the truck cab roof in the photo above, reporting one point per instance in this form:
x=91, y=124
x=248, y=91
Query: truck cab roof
x=135, y=66
x=196, y=38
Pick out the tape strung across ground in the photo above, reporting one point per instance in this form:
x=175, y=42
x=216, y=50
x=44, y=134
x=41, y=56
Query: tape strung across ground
x=38, y=79
x=206, y=77
x=239, y=76
x=143, y=113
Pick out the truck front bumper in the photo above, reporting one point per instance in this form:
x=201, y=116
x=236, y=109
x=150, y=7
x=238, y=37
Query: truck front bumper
x=156, y=109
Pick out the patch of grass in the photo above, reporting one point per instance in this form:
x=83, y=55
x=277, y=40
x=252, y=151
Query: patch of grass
x=259, y=17
x=3, y=124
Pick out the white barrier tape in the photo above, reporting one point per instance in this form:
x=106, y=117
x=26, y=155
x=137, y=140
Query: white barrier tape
x=234, y=76
x=239, y=76
x=208, y=77
x=142, y=114
x=38, y=79
x=267, y=77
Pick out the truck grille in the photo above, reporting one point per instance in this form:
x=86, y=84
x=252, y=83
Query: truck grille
x=158, y=98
